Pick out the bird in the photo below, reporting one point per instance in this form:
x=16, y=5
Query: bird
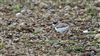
x=61, y=27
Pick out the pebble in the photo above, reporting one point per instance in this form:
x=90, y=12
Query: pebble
x=19, y=15
x=23, y=11
x=1, y=13
x=99, y=14
x=0, y=18
x=29, y=12
x=97, y=3
x=97, y=36
x=85, y=31
x=67, y=8
x=16, y=39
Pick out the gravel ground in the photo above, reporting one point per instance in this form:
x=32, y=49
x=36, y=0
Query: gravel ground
x=29, y=32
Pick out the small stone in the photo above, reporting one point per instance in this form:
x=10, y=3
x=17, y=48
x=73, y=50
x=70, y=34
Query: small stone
x=97, y=3
x=22, y=24
x=73, y=38
x=23, y=11
x=19, y=15
x=67, y=8
x=0, y=18
x=29, y=12
x=99, y=14
x=97, y=36
x=33, y=1
x=86, y=54
x=16, y=39
x=85, y=31
x=1, y=13
x=14, y=24
x=98, y=0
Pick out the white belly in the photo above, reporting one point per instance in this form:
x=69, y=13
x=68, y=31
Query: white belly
x=61, y=30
